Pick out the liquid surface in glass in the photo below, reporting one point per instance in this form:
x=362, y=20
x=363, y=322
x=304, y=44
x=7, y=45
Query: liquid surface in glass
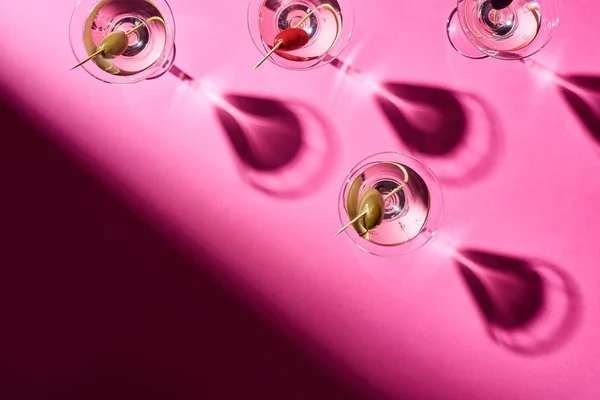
x=507, y=30
x=406, y=211
x=145, y=44
x=276, y=15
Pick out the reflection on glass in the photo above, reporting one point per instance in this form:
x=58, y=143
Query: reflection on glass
x=503, y=29
x=128, y=40
x=392, y=202
x=326, y=27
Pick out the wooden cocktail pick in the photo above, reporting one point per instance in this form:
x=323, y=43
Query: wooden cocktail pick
x=362, y=214
x=113, y=45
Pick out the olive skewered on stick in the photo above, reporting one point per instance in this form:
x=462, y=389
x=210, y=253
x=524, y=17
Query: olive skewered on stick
x=372, y=204
x=114, y=44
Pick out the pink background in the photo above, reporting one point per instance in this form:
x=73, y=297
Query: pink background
x=408, y=326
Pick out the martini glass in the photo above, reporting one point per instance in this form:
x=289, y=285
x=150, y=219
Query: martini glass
x=411, y=214
x=150, y=49
x=328, y=23
x=502, y=29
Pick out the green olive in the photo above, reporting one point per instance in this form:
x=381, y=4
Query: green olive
x=352, y=207
x=114, y=44
x=372, y=202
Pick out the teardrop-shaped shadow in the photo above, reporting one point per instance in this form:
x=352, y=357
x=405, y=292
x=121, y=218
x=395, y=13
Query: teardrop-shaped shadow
x=582, y=93
x=430, y=120
x=530, y=306
x=457, y=134
x=269, y=135
x=284, y=147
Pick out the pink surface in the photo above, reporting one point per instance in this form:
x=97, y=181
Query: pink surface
x=408, y=325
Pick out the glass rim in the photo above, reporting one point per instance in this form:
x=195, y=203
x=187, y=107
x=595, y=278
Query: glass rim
x=325, y=59
x=411, y=245
x=449, y=21
x=150, y=70
x=471, y=37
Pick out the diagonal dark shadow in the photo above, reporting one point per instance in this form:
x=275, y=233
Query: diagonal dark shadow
x=530, y=306
x=98, y=305
x=284, y=148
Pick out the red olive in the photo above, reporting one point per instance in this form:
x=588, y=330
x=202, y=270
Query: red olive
x=293, y=38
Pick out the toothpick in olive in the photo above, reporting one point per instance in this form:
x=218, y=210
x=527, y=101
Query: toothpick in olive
x=112, y=46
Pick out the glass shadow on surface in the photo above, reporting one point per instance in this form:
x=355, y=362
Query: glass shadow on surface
x=455, y=133
x=581, y=92
x=285, y=148
x=530, y=306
